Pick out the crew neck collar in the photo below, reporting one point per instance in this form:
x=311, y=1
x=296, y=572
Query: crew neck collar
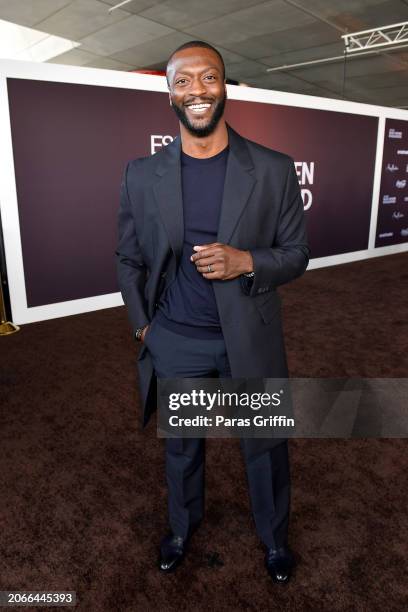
x=204, y=160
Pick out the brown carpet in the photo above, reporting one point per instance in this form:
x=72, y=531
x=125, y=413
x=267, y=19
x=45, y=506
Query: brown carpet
x=83, y=496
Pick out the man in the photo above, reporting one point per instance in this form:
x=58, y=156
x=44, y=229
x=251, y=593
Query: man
x=208, y=228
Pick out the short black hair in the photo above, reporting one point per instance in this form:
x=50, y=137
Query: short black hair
x=196, y=43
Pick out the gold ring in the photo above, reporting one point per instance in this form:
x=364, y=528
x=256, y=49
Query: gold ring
x=209, y=268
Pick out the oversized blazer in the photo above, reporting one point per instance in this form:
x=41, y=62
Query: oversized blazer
x=262, y=211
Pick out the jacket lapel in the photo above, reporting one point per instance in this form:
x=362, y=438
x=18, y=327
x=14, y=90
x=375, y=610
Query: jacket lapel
x=239, y=183
x=168, y=194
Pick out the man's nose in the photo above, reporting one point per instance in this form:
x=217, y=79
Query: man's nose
x=197, y=87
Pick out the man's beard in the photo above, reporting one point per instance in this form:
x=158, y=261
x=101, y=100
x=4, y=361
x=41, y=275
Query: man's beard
x=206, y=130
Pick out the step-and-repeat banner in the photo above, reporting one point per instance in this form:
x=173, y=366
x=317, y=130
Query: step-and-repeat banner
x=71, y=142
x=392, y=224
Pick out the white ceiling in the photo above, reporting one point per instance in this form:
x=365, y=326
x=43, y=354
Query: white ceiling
x=251, y=35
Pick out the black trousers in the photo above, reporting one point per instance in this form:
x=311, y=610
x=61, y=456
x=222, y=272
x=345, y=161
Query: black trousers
x=268, y=474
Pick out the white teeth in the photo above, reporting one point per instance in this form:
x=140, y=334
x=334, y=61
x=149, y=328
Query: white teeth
x=198, y=109
x=199, y=106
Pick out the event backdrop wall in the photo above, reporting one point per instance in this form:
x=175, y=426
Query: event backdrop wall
x=68, y=137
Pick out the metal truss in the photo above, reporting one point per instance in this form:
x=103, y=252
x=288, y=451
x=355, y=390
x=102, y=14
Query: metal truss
x=377, y=37
x=366, y=42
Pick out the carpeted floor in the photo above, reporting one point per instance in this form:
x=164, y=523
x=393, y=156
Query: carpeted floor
x=83, y=497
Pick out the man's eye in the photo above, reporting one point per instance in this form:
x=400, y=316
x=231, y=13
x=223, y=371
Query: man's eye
x=180, y=81
x=210, y=76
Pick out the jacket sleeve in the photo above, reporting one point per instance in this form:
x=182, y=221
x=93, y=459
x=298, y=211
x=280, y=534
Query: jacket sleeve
x=288, y=257
x=131, y=269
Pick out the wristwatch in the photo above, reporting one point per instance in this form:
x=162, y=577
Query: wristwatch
x=139, y=332
x=249, y=274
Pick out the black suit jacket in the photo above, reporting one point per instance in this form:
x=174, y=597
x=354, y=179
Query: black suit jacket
x=262, y=211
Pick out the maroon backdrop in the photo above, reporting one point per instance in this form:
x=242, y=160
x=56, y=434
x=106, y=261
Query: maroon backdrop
x=342, y=147
x=71, y=143
x=392, y=223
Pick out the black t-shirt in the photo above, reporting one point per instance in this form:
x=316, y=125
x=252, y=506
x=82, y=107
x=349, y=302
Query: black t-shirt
x=189, y=306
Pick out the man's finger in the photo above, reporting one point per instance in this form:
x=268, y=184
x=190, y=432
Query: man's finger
x=207, y=259
x=205, y=246
x=204, y=268
x=205, y=253
x=212, y=275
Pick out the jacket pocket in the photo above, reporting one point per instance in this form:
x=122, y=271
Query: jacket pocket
x=142, y=352
x=269, y=305
x=147, y=335
x=145, y=346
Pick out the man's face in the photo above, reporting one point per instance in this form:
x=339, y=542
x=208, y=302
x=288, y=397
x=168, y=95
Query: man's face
x=197, y=89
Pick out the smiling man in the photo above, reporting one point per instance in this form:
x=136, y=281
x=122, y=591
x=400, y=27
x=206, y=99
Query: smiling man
x=208, y=228
x=201, y=117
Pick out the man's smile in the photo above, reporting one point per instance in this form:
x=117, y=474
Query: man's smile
x=198, y=108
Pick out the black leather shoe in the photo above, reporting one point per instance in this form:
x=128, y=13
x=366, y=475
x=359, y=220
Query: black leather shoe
x=279, y=562
x=172, y=552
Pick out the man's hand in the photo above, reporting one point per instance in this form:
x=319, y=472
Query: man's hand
x=144, y=333
x=226, y=262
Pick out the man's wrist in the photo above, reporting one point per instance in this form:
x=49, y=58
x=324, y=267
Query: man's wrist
x=248, y=265
x=139, y=332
